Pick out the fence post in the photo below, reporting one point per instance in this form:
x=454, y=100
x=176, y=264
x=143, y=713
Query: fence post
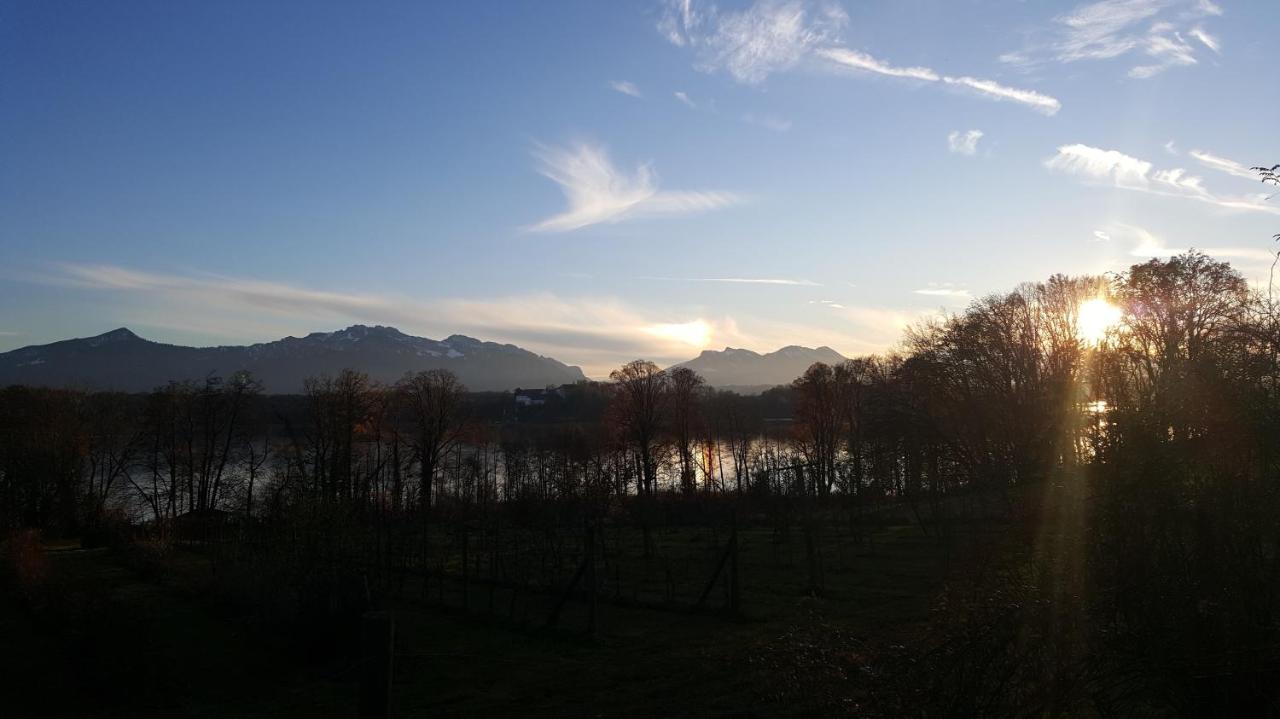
x=377, y=649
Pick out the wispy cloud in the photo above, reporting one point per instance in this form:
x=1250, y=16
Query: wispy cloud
x=945, y=289
x=1130, y=173
x=740, y=280
x=829, y=304
x=964, y=143
x=852, y=59
x=684, y=98
x=1122, y=169
x=1141, y=241
x=768, y=37
x=598, y=192
x=1110, y=29
x=1145, y=244
x=773, y=36
x=855, y=60
x=994, y=90
x=1222, y=164
x=1206, y=39
x=768, y=122
x=626, y=87
x=1166, y=48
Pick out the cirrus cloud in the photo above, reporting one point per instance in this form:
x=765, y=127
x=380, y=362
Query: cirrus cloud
x=773, y=36
x=1130, y=173
x=598, y=192
x=1154, y=30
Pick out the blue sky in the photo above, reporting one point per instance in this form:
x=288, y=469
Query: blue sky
x=601, y=181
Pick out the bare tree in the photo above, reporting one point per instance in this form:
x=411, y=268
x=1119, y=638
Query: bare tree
x=433, y=400
x=640, y=410
x=686, y=390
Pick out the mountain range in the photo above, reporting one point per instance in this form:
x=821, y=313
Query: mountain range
x=121, y=360
x=746, y=371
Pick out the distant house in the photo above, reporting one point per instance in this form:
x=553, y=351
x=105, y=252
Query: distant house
x=532, y=397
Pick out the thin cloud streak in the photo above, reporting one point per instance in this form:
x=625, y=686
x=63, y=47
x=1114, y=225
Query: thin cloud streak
x=771, y=37
x=994, y=90
x=1222, y=164
x=861, y=61
x=942, y=292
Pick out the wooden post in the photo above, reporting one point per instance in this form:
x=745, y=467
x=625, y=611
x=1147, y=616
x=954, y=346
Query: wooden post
x=728, y=562
x=377, y=645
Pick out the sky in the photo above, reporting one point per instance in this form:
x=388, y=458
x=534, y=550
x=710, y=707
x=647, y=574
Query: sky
x=599, y=181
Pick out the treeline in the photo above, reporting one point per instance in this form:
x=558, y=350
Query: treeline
x=71, y=460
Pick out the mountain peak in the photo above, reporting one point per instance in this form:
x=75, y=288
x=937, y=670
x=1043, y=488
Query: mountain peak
x=355, y=333
x=462, y=340
x=745, y=368
x=119, y=334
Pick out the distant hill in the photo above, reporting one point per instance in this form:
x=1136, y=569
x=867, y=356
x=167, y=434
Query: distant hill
x=121, y=360
x=752, y=372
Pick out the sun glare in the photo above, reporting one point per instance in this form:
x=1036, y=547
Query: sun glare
x=696, y=333
x=1095, y=318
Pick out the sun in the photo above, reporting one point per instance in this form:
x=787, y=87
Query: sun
x=696, y=333
x=1094, y=319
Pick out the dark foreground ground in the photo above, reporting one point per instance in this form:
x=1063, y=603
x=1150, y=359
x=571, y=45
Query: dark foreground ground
x=105, y=640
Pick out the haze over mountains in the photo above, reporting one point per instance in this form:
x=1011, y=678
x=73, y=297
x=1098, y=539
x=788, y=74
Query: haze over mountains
x=121, y=360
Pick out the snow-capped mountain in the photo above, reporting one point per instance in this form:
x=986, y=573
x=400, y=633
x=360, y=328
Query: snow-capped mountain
x=745, y=370
x=121, y=360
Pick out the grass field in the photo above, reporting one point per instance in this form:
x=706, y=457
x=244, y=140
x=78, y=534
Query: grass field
x=104, y=640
